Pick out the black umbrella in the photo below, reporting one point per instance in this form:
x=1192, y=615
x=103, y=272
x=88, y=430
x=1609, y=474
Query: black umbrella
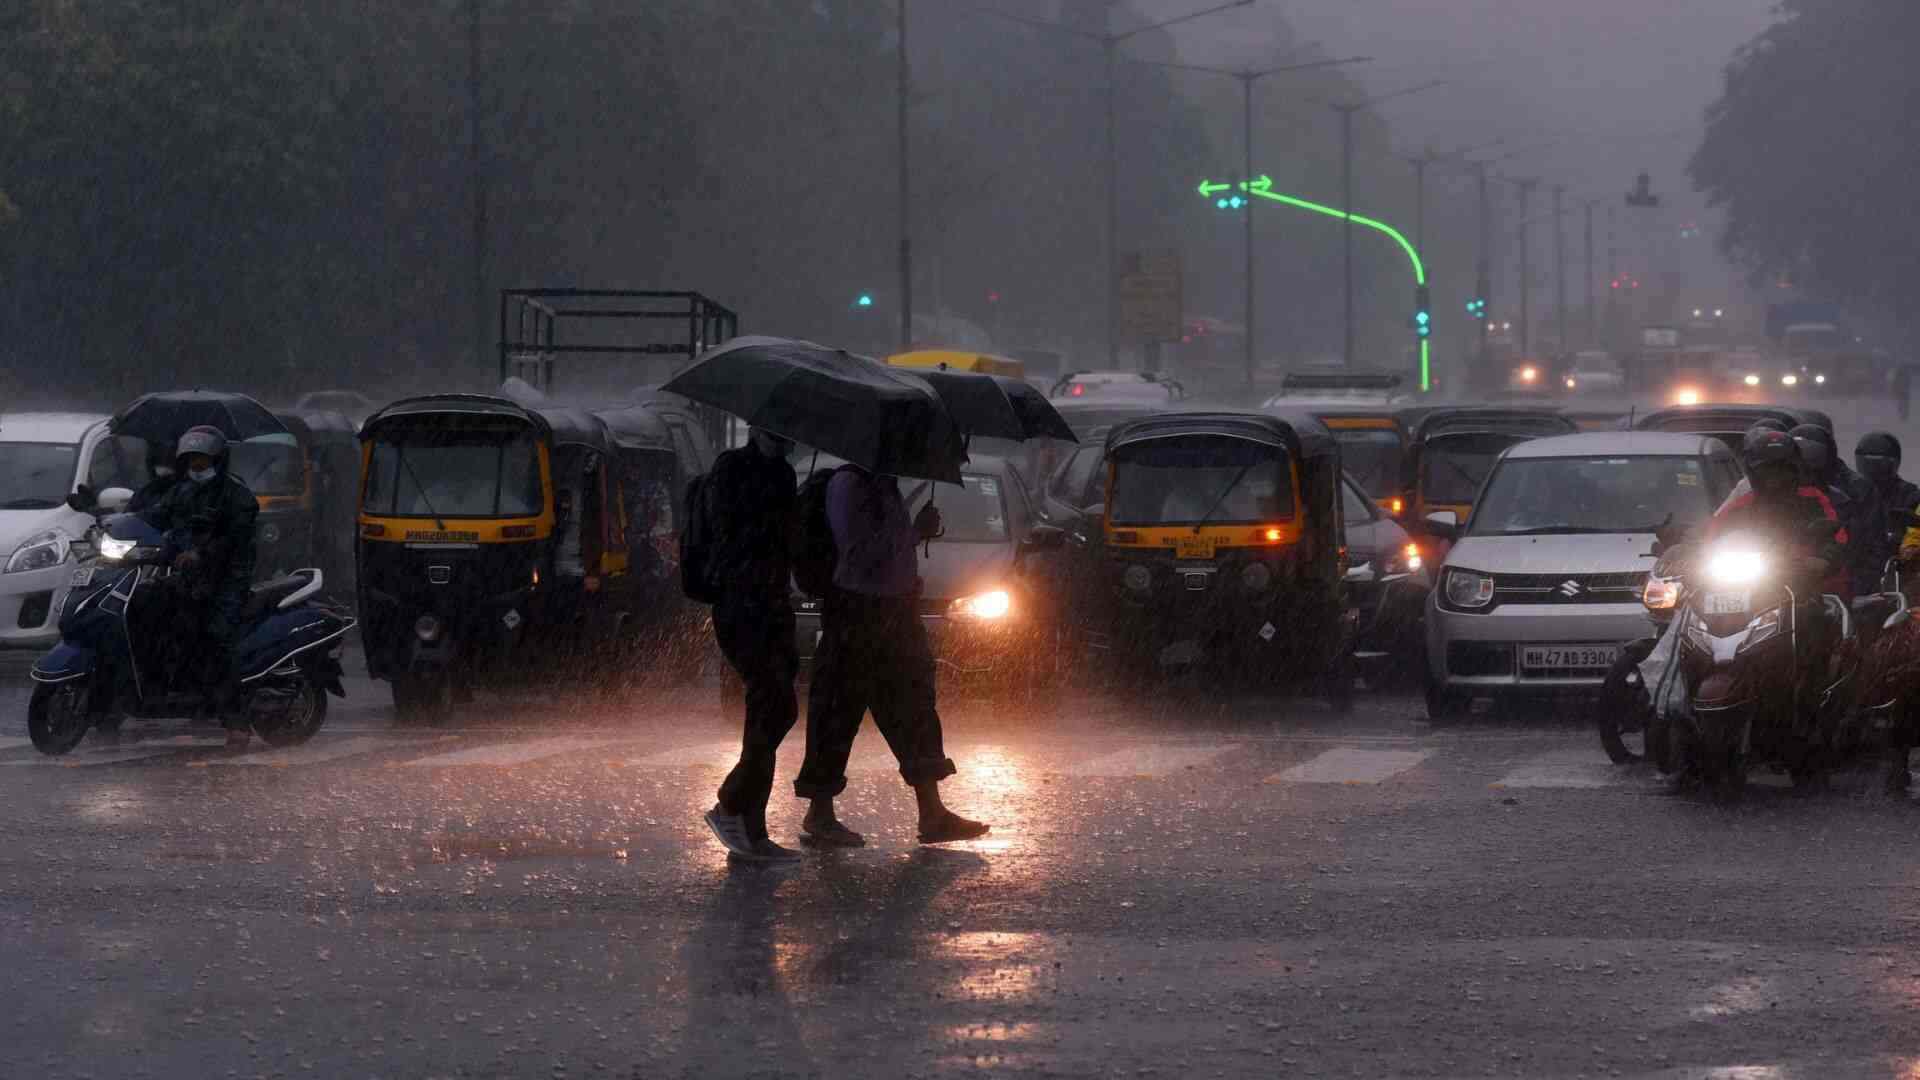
x=162, y=418
x=879, y=418
x=996, y=407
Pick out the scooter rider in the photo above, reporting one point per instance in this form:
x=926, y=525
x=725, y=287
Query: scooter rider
x=1877, y=457
x=161, y=476
x=1852, y=499
x=1780, y=505
x=211, y=513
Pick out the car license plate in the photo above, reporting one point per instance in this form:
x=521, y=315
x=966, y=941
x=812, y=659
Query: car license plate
x=1194, y=547
x=81, y=576
x=1586, y=657
x=1727, y=603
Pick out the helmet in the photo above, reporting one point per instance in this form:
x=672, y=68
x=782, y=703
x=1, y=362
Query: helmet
x=1772, y=459
x=1817, y=451
x=202, y=440
x=1759, y=428
x=1877, y=456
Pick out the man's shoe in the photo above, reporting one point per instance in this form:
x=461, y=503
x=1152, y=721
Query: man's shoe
x=731, y=831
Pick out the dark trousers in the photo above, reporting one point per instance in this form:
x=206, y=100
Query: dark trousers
x=756, y=636
x=873, y=654
x=220, y=671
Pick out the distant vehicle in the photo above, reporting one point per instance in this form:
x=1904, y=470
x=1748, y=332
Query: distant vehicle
x=1594, y=372
x=1728, y=422
x=959, y=360
x=1543, y=585
x=1387, y=582
x=1356, y=387
x=1137, y=385
x=353, y=405
x=1086, y=415
x=44, y=457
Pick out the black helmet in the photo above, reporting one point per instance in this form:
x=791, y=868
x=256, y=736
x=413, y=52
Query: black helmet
x=1773, y=462
x=1759, y=428
x=1877, y=456
x=1817, y=451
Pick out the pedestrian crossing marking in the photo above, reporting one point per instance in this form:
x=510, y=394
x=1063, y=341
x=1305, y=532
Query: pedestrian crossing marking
x=1148, y=761
x=507, y=754
x=1350, y=765
x=311, y=753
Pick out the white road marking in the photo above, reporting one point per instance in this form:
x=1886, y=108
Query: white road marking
x=1349, y=765
x=1584, y=768
x=312, y=753
x=516, y=753
x=1148, y=760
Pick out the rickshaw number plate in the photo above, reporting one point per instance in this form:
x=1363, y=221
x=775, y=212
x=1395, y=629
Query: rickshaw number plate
x=82, y=576
x=1194, y=547
x=1727, y=603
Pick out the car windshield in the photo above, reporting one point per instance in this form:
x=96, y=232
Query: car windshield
x=975, y=513
x=269, y=464
x=1599, y=494
x=36, y=476
x=454, y=474
x=1453, y=468
x=1372, y=458
x=1187, y=481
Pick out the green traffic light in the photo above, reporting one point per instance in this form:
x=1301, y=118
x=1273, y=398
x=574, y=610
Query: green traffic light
x=866, y=300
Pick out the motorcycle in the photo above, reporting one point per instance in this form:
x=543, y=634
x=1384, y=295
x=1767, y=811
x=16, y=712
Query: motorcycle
x=1762, y=687
x=122, y=652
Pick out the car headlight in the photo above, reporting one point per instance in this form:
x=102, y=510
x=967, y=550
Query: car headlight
x=989, y=605
x=1764, y=626
x=1529, y=374
x=113, y=550
x=1571, y=384
x=1661, y=594
x=1256, y=577
x=1736, y=567
x=39, y=551
x=1752, y=380
x=1819, y=380
x=1137, y=578
x=1402, y=560
x=1789, y=380
x=1466, y=589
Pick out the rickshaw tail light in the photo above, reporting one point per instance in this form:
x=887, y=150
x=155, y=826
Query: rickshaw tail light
x=517, y=532
x=1398, y=506
x=1274, y=536
x=373, y=530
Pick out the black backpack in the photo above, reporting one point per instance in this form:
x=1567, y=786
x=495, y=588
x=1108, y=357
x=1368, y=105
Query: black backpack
x=697, y=537
x=817, y=557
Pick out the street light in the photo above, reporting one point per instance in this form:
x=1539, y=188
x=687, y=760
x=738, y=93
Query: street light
x=1346, y=111
x=1111, y=43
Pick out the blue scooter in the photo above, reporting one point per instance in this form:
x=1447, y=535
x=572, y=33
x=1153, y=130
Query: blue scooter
x=122, y=652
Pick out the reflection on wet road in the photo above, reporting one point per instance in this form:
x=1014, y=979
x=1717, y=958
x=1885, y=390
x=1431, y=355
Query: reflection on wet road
x=1171, y=888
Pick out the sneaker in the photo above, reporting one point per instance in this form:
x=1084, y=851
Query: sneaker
x=765, y=850
x=731, y=831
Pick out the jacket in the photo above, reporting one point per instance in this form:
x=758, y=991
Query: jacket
x=215, y=519
x=1784, y=521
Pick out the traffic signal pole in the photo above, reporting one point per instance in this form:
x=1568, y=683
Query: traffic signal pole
x=1246, y=119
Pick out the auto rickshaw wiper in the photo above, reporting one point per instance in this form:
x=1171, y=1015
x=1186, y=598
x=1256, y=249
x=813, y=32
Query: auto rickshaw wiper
x=1222, y=498
x=438, y=522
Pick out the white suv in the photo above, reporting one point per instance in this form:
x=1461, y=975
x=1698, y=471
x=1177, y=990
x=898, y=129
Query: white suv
x=43, y=458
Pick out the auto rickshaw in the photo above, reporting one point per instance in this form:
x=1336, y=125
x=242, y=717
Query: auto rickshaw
x=957, y=360
x=1222, y=543
x=274, y=468
x=1373, y=447
x=492, y=541
x=330, y=443
x=1451, y=448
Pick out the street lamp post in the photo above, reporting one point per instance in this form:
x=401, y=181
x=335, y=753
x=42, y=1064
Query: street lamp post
x=1346, y=111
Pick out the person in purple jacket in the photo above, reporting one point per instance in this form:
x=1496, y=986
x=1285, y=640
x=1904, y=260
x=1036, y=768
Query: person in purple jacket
x=874, y=654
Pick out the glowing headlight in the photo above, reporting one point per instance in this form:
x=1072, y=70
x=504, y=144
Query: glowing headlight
x=993, y=604
x=1687, y=397
x=1137, y=578
x=1529, y=374
x=1466, y=589
x=1736, y=567
x=1256, y=577
x=113, y=550
x=1661, y=594
x=1404, y=560
x=1789, y=380
x=39, y=551
x=1752, y=380
x=1570, y=383
x=1819, y=380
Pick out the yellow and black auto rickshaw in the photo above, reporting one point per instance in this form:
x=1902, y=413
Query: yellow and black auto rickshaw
x=1223, y=545
x=492, y=540
x=1451, y=448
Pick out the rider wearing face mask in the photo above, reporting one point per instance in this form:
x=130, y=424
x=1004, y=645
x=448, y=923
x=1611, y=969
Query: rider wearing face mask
x=210, y=513
x=1877, y=457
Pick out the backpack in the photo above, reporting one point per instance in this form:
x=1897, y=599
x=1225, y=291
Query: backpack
x=817, y=557
x=697, y=537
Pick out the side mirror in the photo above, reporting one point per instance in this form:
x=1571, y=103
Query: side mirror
x=114, y=499
x=1045, y=538
x=1444, y=524
x=83, y=499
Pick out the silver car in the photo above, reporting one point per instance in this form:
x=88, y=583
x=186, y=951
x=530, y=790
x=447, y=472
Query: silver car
x=1542, y=586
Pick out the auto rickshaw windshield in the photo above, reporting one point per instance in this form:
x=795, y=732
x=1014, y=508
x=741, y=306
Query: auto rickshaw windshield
x=1453, y=467
x=269, y=464
x=1372, y=457
x=1200, y=479
x=470, y=474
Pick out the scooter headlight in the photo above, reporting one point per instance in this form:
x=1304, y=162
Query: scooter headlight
x=1736, y=567
x=113, y=550
x=39, y=551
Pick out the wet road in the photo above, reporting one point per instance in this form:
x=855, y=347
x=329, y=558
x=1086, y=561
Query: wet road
x=1172, y=888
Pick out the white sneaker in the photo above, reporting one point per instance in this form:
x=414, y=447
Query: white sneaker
x=731, y=831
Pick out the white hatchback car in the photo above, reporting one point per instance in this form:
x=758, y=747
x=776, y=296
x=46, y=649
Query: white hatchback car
x=43, y=458
x=1544, y=583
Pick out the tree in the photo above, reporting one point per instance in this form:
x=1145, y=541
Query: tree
x=1806, y=153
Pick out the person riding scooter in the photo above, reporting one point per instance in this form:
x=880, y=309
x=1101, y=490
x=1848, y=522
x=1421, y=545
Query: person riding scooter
x=1877, y=458
x=209, y=515
x=1851, y=496
x=1779, y=505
